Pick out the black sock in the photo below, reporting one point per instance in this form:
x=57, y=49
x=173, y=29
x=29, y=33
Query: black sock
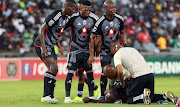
x=53, y=84
x=157, y=97
x=95, y=86
x=80, y=90
x=90, y=83
x=49, y=80
x=103, y=83
x=68, y=83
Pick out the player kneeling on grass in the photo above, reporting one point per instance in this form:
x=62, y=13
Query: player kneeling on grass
x=141, y=88
x=114, y=83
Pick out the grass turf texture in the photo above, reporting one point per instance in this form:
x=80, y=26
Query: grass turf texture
x=29, y=93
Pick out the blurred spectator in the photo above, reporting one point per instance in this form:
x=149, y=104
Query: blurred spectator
x=176, y=42
x=143, y=37
x=161, y=42
x=28, y=38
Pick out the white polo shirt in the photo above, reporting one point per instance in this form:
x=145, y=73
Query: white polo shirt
x=133, y=61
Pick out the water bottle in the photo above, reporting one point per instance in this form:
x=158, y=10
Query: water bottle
x=162, y=102
x=178, y=103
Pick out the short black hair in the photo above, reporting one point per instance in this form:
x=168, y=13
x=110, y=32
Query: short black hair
x=80, y=1
x=70, y=2
x=86, y=3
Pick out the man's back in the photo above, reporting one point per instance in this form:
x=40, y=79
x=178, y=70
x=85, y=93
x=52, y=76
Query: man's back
x=133, y=61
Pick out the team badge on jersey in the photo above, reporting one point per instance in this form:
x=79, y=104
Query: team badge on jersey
x=84, y=22
x=111, y=32
x=111, y=24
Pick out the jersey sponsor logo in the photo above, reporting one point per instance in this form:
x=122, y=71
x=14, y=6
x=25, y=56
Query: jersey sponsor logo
x=84, y=30
x=111, y=32
x=26, y=69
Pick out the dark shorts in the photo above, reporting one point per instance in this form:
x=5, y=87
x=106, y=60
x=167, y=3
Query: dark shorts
x=50, y=50
x=137, y=85
x=121, y=92
x=106, y=58
x=78, y=60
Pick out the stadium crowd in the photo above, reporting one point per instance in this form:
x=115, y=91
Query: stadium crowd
x=151, y=25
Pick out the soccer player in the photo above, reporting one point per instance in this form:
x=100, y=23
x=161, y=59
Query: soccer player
x=49, y=34
x=114, y=82
x=81, y=24
x=141, y=89
x=108, y=26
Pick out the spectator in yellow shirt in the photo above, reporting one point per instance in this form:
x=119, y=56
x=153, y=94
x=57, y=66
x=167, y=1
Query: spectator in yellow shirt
x=162, y=43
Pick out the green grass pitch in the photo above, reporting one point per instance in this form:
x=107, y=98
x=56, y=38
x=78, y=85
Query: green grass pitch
x=29, y=93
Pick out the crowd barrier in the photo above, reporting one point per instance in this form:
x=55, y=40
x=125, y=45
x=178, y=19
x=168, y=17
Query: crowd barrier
x=34, y=68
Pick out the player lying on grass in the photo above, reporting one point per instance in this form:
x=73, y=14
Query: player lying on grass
x=110, y=97
x=141, y=87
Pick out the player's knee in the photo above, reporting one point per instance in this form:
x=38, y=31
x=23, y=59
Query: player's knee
x=54, y=68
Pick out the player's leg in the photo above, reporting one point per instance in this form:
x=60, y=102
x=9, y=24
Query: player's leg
x=50, y=75
x=79, y=73
x=96, y=88
x=105, y=60
x=157, y=97
x=89, y=73
x=136, y=92
x=72, y=67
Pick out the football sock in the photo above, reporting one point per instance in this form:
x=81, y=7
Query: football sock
x=103, y=84
x=68, y=83
x=49, y=84
x=90, y=82
x=53, y=84
x=80, y=90
x=157, y=97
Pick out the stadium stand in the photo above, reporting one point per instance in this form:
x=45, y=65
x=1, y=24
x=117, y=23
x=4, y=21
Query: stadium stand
x=151, y=25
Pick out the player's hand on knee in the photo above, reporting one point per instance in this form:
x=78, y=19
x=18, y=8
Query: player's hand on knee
x=90, y=60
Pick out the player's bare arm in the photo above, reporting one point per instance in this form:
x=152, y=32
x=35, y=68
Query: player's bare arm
x=123, y=37
x=41, y=33
x=91, y=49
x=60, y=48
x=98, y=48
x=120, y=74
